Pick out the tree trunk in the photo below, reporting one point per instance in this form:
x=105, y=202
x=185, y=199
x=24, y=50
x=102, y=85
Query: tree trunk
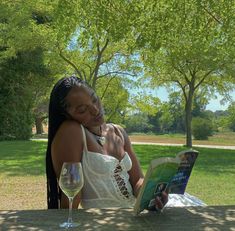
x=188, y=119
x=39, y=127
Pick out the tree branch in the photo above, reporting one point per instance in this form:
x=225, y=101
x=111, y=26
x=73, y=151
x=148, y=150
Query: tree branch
x=115, y=72
x=98, y=60
x=183, y=88
x=69, y=62
x=106, y=87
x=199, y=83
x=216, y=19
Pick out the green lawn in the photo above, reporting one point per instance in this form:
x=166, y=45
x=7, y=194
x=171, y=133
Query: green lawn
x=23, y=183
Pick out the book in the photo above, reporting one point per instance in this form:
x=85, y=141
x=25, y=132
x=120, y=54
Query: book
x=169, y=174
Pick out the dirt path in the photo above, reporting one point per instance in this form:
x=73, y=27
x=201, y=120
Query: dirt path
x=196, y=145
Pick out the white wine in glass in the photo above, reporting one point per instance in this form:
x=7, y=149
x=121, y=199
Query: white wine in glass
x=71, y=182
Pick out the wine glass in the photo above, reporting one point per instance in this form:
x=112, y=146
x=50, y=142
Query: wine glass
x=71, y=182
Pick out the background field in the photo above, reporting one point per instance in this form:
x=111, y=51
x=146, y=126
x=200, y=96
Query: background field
x=23, y=182
x=220, y=138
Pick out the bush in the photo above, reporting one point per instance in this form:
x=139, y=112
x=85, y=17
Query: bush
x=15, y=122
x=201, y=128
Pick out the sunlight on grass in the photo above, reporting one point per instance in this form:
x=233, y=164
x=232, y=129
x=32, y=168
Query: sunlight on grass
x=23, y=182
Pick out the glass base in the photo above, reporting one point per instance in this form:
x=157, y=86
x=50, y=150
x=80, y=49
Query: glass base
x=69, y=225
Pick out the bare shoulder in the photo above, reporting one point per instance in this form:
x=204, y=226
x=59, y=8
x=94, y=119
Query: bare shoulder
x=67, y=145
x=70, y=126
x=70, y=132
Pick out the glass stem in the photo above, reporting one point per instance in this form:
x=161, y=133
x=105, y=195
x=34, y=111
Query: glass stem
x=70, y=220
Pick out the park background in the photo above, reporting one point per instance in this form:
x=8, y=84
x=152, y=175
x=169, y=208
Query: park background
x=127, y=51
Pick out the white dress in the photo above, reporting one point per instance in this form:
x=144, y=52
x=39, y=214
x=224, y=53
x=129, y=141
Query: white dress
x=106, y=183
x=106, y=180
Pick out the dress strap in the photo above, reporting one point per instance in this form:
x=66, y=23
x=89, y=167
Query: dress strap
x=84, y=139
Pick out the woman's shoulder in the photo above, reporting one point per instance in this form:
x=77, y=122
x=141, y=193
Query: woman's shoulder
x=69, y=129
x=67, y=144
x=70, y=124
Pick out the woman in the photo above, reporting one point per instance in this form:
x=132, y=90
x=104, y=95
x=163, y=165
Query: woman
x=77, y=132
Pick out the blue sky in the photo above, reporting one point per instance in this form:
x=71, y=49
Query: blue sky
x=214, y=104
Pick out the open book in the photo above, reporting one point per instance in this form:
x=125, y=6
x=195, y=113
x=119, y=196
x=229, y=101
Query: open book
x=165, y=174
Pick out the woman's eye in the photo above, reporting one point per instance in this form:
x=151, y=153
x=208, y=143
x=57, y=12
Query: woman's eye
x=81, y=109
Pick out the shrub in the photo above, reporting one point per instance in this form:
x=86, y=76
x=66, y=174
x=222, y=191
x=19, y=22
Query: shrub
x=201, y=128
x=15, y=122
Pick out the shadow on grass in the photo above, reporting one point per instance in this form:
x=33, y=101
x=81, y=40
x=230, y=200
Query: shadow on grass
x=20, y=158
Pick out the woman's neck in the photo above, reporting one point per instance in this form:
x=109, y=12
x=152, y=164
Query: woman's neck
x=97, y=130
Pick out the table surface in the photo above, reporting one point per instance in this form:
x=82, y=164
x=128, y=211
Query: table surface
x=187, y=218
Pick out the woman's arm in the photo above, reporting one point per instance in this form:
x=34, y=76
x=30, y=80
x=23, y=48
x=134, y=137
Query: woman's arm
x=67, y=146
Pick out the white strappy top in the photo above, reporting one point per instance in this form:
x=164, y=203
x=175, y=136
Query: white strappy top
x=106, y=180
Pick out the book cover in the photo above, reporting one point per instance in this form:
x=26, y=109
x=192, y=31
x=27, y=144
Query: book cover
x=170, y=174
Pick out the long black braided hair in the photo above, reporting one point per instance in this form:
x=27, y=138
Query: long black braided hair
x=57, y=115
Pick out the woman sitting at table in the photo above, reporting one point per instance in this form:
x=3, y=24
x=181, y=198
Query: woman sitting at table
x=78, y=133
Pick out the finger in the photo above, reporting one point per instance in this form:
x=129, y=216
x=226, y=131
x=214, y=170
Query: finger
x=158, y=203
x=164, y=198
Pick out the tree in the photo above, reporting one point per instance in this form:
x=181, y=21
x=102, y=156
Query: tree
x=20, y=77
x=24, y=26
x=231, y=116
x=138, y=122
x=201, y=128
x=197, y=51
x=166, y=119
x=177, y=112
x=25, y=36
x=95, y=49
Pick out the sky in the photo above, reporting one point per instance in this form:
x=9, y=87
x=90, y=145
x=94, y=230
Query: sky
x=214, y=104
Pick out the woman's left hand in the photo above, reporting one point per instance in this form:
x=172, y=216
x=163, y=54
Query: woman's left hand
x=160, y=201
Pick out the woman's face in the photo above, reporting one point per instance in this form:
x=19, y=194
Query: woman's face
x=84, y=106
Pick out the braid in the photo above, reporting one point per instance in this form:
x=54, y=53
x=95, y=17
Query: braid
x=57, y=115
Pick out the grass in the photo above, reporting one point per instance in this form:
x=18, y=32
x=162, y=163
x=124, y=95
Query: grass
x=22, y=175
x=23, y=183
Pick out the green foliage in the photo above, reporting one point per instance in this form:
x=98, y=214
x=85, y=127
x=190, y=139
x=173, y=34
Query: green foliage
x=137, y=123
x=21, y=79
x=18, y=125
x=114, y=98
x=24, y=26
x=185, y=44
x=170, y=115
x=201, y=128
x=231, y=116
